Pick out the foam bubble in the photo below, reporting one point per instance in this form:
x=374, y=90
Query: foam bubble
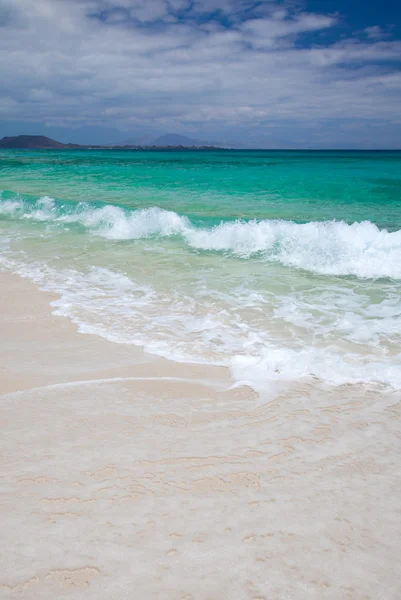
x=115, y=223
x=10, y=207
x=278, y=364
x=327, y=248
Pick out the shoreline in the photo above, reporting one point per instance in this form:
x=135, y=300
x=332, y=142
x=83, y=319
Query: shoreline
x=84, y=355
x=126, y=475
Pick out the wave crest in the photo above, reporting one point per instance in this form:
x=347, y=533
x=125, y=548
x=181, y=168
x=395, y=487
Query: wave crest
x=326, y=248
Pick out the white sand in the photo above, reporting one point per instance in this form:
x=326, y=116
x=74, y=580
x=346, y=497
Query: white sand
x=129, y=477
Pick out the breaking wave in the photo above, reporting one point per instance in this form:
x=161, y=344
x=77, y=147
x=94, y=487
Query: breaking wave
x=323, y=247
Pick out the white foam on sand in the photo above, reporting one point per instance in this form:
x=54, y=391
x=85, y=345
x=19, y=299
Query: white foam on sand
x=346, y=346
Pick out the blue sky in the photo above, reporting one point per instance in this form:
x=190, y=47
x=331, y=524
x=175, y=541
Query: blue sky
x=257, y=73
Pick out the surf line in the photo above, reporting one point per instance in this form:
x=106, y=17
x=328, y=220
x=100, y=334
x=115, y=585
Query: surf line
x=84, y=382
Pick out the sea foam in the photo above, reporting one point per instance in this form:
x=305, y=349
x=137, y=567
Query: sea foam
x=212, y=328
x=322, y=247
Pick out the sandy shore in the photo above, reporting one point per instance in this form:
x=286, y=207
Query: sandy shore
x=125, y=476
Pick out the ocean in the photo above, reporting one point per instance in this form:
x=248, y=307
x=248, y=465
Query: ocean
x=281, y=265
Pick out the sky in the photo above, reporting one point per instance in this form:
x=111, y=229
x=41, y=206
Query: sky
x=251, y=73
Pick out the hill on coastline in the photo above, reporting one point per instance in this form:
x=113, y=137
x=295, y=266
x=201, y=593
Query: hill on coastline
x=31, y=141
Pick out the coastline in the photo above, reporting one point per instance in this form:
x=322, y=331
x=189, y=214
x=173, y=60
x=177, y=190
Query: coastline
x=40, y=349
x=126, y=475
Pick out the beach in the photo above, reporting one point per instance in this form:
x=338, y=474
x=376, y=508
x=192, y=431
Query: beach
x=200, y=300
x=125, y=475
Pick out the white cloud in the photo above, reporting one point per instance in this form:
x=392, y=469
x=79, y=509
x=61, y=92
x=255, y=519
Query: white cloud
x=278, y=27
x=376, y=33
x=96, y=61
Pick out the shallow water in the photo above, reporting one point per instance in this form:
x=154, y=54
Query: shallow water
x=279, y=265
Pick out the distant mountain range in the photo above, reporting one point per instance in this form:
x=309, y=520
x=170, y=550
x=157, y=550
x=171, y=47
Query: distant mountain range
x=42, y=142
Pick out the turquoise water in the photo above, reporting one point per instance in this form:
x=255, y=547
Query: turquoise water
x=281, y=265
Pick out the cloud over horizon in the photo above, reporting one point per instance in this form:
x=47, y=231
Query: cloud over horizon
x=258, y=69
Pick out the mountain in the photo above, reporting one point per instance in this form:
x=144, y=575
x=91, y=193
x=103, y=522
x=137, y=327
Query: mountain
x=169, y=140
x=175, y=139
x=31, y=141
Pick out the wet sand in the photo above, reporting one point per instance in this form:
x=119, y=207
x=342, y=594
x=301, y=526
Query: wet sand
x=126, y=476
